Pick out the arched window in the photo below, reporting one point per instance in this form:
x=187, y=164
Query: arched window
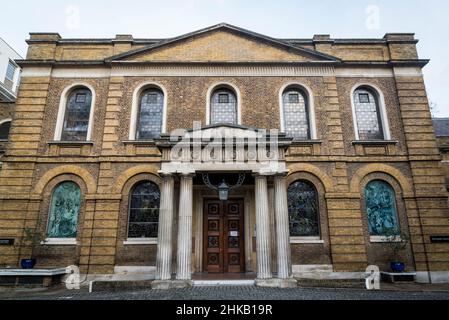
x=5, y=126
x=144, y=210
x=303, y=209
x=77, y=114
x=368, y=114
x=64, y=211
x=380, y=202
x=149, y=121
x=223, y=107
x=295, y=108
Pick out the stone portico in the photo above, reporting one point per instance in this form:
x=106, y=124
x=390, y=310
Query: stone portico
x=224, y=149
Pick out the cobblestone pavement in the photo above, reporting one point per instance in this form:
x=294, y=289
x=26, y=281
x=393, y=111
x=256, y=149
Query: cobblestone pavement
x=225, y=293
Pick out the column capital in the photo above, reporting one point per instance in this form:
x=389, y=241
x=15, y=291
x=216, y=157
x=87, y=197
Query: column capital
x=281, y=174
x=187, y=175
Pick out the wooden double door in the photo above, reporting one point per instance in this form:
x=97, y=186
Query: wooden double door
x=223, y=236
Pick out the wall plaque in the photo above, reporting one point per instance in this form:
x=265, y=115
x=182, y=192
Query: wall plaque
x=6, y=242
x=439, y=239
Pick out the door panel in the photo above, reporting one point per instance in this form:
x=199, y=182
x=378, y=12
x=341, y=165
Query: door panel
x=223, y=236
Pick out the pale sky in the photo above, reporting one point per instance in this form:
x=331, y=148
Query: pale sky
x=279, y=19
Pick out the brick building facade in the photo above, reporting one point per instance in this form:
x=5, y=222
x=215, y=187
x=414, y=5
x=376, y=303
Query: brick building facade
x=355, y=125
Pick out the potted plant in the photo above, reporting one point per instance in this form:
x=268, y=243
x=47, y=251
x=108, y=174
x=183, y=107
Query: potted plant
x=397, y=241
x=31, y=238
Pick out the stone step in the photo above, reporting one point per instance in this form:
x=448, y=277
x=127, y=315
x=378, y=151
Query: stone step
x=206, y=283
x=114, y=285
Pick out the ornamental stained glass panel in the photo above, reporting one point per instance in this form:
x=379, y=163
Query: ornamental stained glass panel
x=367, y=113
x=64, y=211
x=303, y=209
x=150, y=115
x=381, y=208
x=296, y=115
x=144, y=211
x=223, y=107
x=77, y=114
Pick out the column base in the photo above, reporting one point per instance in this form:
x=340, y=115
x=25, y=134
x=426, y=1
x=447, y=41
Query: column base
x=170, y=284
x=276, y=283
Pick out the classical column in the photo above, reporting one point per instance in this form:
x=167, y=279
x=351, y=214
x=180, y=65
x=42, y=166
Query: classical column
x=282, y=228
x=263, y=239
x=184, y=257
x=165, y=239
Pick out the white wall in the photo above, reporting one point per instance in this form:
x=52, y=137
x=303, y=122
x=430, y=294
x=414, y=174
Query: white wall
x=7, y=53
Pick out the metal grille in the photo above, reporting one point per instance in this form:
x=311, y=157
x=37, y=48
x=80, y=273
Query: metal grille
x=150, y=115
x=303, y=209
x=144, y=211
x=296, y=115
x=77, y=114
x=368, y=115
x=223, y=107
x=381, y=208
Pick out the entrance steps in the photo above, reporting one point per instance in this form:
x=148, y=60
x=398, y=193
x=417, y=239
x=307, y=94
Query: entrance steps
x=210, y=283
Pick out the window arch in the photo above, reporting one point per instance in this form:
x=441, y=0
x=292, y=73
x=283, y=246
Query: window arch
x=223, y=106
x=64, y=210
x=303, y=209
x=296, y=113
x=144, y=210
x=150, y=114
x=5, y=127
x=380, y=201
x=369, y=115
x=75, y=114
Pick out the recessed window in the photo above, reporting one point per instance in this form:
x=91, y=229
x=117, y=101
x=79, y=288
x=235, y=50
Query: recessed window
x=223, y=98
x=64, y=211
x=380, y=200
x=5, y=127
x=77, y=115
x=144, y=211
x=368, y=117
x=223, y=107
x=303, y=209
x=149, y=122
x=296, y=114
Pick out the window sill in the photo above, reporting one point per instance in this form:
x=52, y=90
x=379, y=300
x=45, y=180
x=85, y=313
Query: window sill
x=140, y=241
x=306, y=240
x=70, y=143
x=383, y=239
x=305, y=142
x=375, y=142
x=60, y=242
x=140, y=142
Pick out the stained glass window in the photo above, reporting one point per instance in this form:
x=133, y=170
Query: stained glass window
x=64, y=211
x=381, y=208
x=77, y=114
x=149, y=123
x=303, y=209
x=223, y=107
x=367, y=112
x=4, y=130
x=144, y=211
x=296, y=114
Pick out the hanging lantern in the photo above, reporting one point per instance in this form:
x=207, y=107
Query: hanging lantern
x=223, y=191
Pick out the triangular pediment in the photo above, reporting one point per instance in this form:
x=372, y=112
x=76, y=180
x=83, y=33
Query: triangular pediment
x=223, y=43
